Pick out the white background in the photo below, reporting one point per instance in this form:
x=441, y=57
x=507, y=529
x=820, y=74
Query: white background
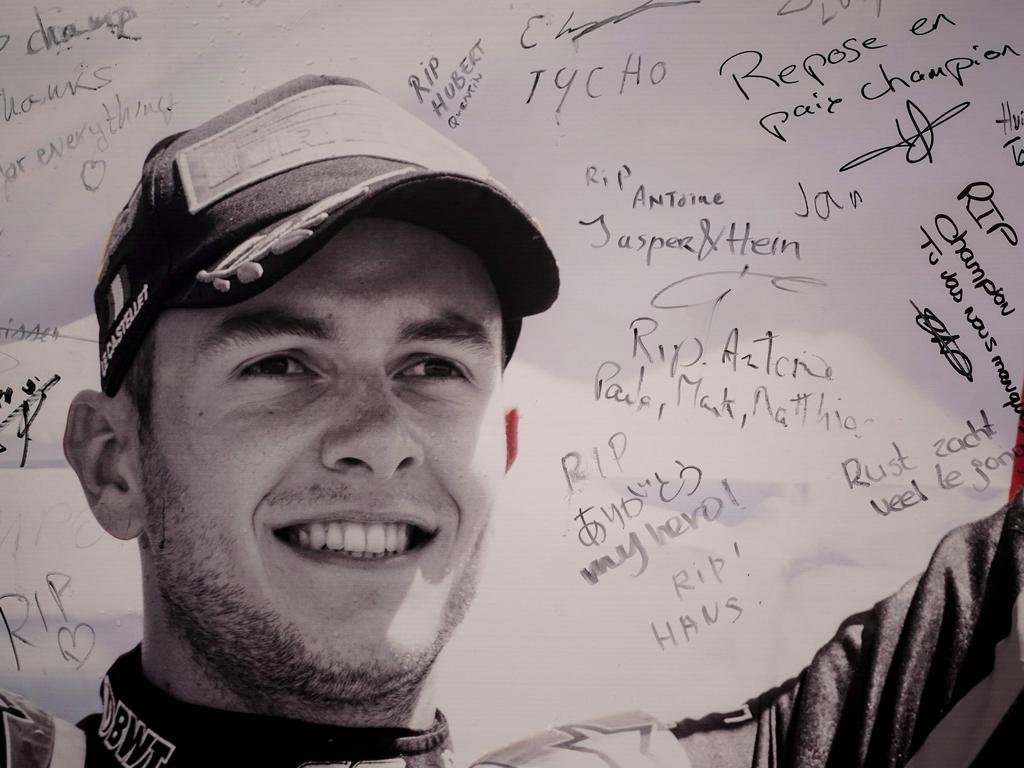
x=542, y=645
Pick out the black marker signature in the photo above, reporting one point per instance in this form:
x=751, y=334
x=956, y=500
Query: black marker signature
x=36, y=396
x=923, y=140
x=687, y=290
x=929, y=322
x=592, y=26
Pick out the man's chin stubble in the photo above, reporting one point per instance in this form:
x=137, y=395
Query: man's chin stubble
x=262, y=663
x=256, y=660
x=266, y=668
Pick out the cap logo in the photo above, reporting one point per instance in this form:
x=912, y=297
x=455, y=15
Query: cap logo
x=243, y=261
x=116, y=336
x=332, y=121
x=119, y=289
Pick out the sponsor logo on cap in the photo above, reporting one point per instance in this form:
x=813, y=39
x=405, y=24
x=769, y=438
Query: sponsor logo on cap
x=125, y=323
x=243, y=261
x=332, y=121
x=119, y=289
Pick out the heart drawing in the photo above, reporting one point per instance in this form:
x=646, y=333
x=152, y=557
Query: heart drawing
x=74, y=649
x=93, y=172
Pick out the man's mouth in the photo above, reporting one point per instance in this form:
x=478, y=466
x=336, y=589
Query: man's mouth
x=358, y=540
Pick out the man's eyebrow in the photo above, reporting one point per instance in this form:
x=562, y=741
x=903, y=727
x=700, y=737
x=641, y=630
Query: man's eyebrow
x=266, y=323
x=452, y=327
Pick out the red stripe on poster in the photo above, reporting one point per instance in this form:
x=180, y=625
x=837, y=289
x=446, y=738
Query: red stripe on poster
x=1017, y=476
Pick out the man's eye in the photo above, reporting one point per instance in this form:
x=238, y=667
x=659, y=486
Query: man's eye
x=278, y=365
x=432, y=368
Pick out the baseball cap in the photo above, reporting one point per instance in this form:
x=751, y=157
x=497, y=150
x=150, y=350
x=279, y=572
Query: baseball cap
x=224, y=210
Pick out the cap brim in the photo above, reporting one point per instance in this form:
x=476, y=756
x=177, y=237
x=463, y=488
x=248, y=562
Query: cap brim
x=471, y=212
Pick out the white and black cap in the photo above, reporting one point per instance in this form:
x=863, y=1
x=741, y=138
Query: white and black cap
x=224, y=210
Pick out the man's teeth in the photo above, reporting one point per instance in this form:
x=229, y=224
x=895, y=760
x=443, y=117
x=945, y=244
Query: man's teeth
x=355, y=539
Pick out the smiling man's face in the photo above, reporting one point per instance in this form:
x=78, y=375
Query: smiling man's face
x=319, y=473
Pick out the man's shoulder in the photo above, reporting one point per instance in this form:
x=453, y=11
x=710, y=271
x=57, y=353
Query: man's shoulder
x=891, y=673
x=33, y=738
x=973, y=566
x=979, y=543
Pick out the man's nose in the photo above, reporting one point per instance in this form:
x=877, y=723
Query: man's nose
x=366, y=432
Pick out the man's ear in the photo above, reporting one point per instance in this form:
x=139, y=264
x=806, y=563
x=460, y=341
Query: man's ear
x=100, y=443
x=511, y=437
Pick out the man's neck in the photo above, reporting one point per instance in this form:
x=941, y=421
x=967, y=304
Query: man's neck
x=171, y=665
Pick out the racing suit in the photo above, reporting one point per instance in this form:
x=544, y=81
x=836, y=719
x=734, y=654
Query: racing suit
x=932, y=676
x=142, y=727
